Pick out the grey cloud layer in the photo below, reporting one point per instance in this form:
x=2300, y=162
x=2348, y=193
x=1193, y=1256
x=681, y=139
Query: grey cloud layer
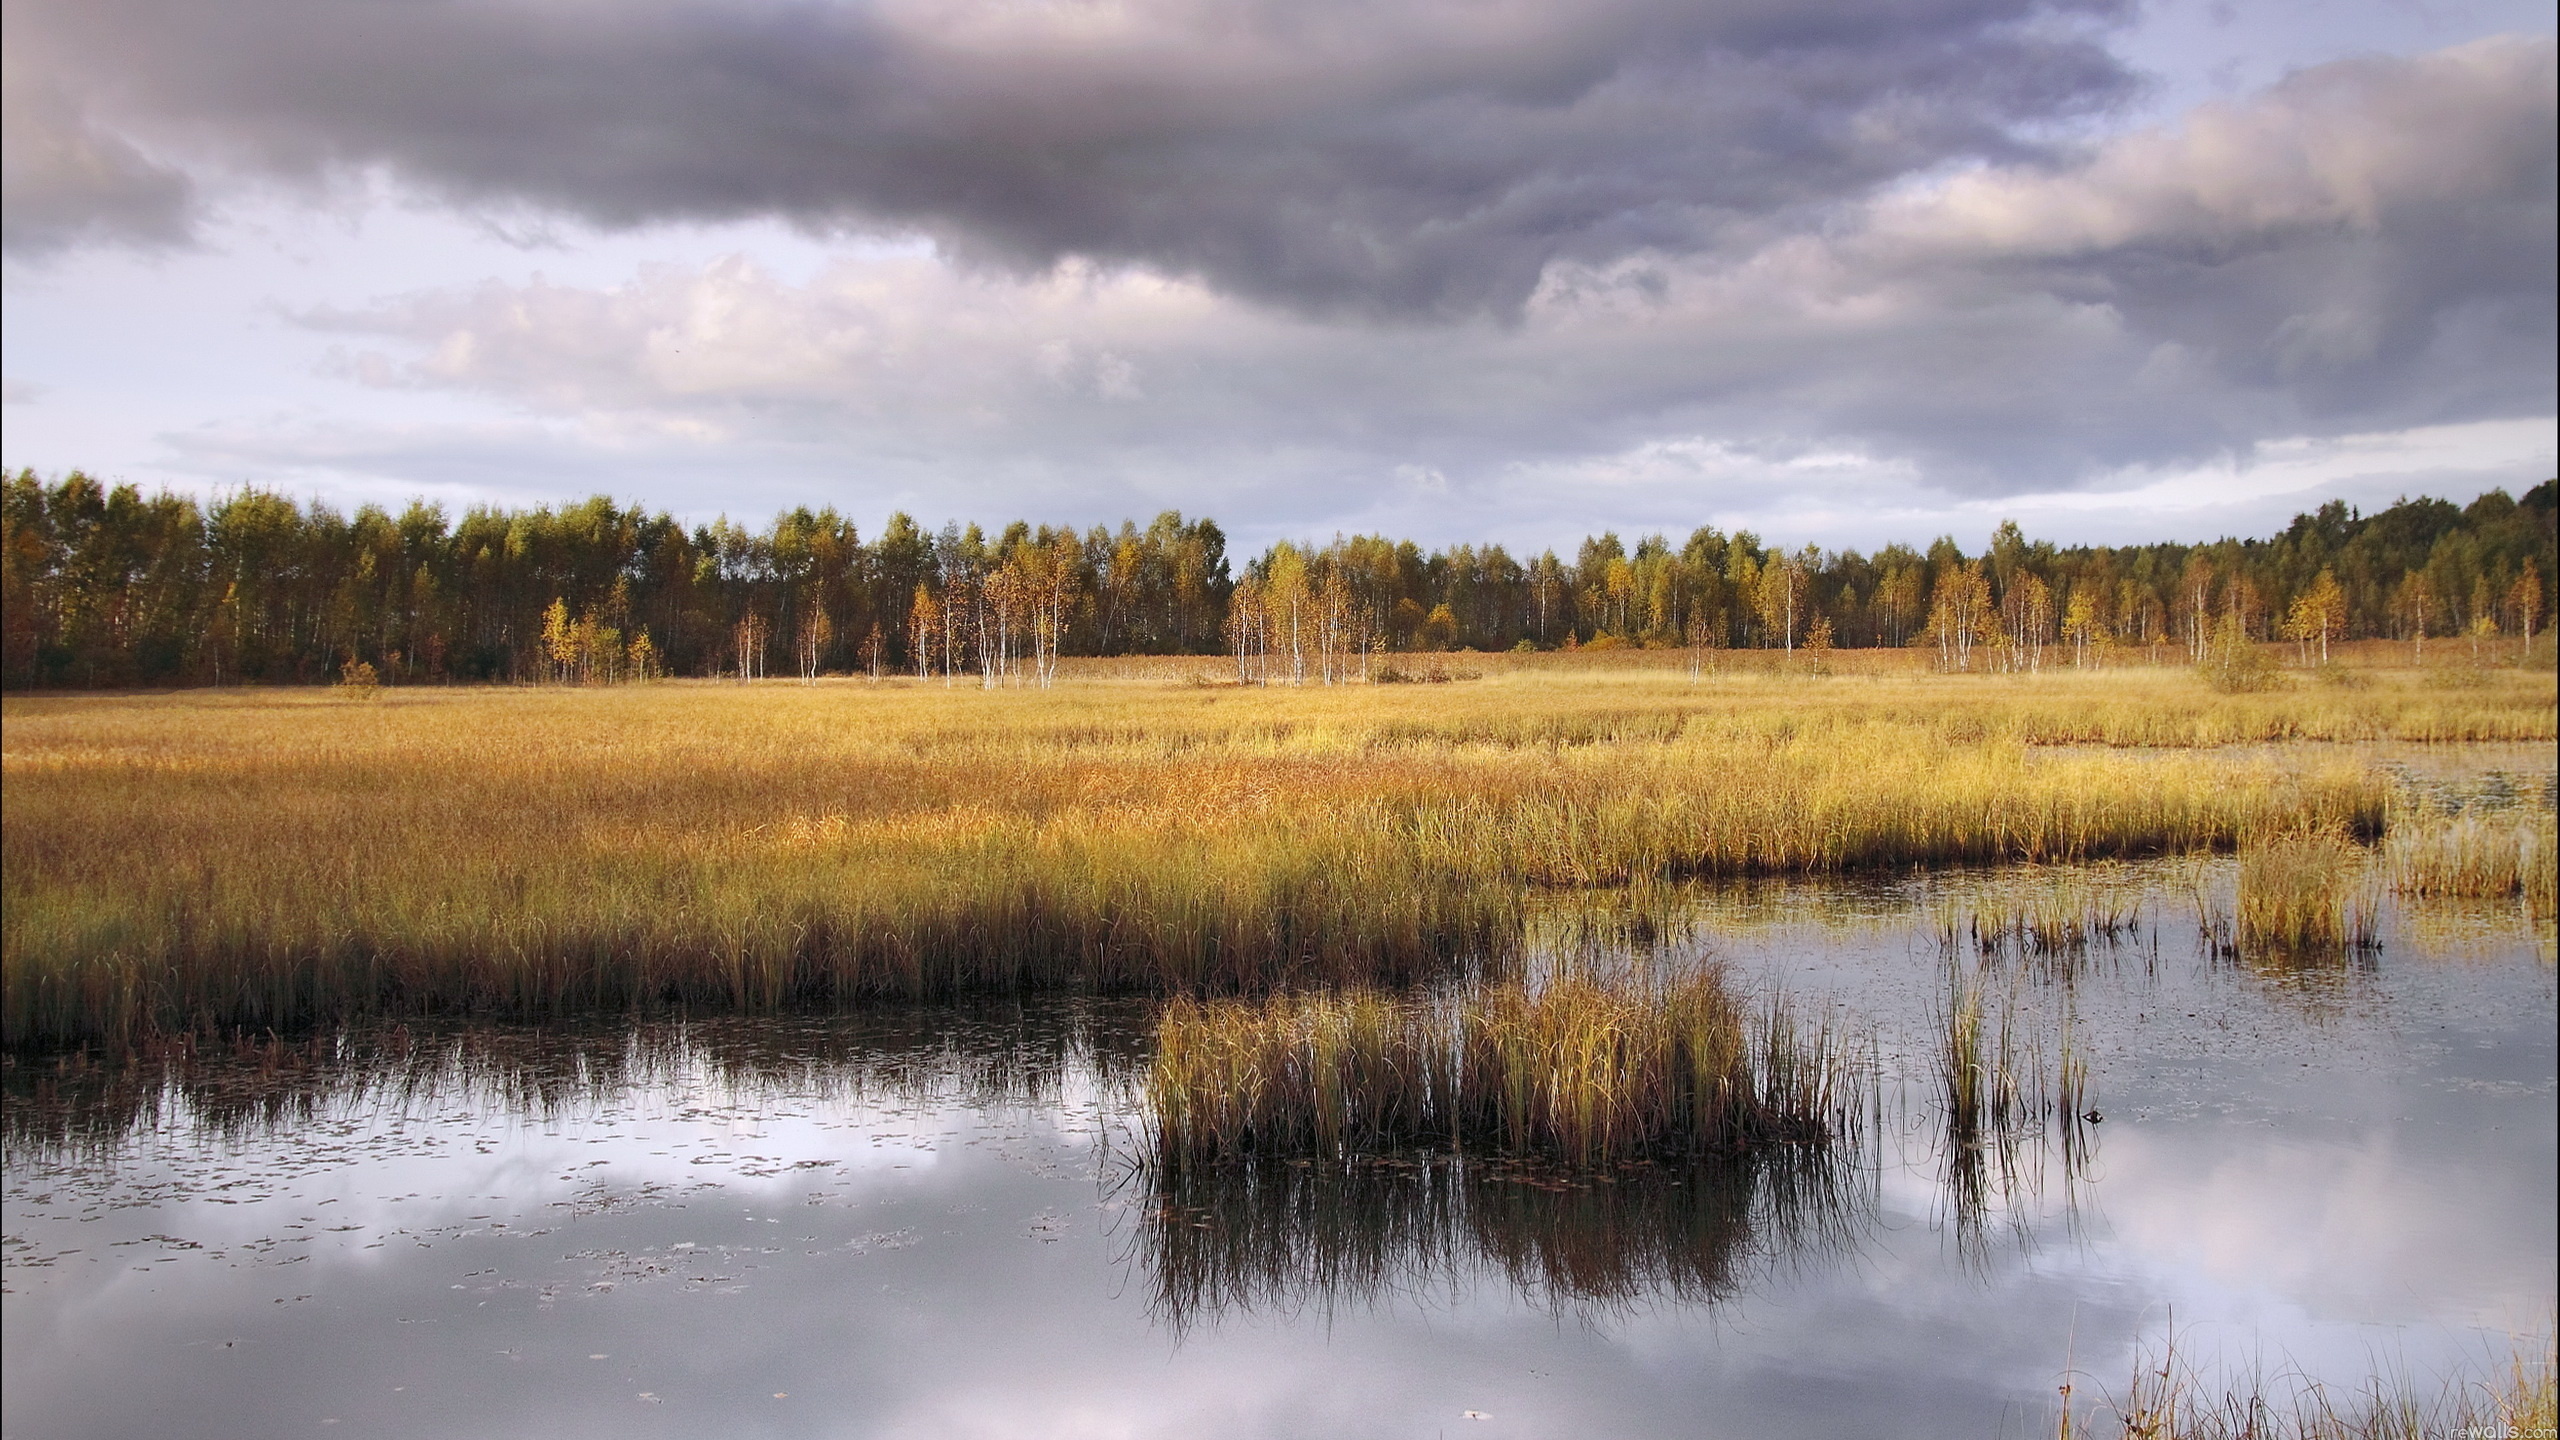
x=2366, y=246
x=2371, y=239
x=63, y=182
x=1289, y=247
x=1409, y=157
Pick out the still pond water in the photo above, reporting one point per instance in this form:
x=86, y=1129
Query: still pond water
x=929, y=1222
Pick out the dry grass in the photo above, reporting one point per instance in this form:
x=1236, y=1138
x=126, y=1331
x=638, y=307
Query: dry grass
x=2497, y=855
x=1575, y=1071
x=254, y=859
x=2306, y=894
x=2169, y=1399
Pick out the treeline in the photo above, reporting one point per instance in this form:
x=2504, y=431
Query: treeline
x=107, y=586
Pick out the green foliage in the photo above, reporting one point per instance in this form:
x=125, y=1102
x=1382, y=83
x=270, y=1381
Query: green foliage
x=107, y=587
x=2235, y=664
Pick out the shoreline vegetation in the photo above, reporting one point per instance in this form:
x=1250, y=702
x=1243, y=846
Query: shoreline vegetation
x=273, y=859
x=1587, y=1072
x=102, y=586
x=2514, y=1396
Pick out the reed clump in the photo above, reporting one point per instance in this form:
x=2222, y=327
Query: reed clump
x=253, y=860
x=2306, y=893
x=1995, y=1074
x=1575, y=1071
x=2062, y=916
x=2480, y=854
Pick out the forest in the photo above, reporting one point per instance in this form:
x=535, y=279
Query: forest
x=108, y=587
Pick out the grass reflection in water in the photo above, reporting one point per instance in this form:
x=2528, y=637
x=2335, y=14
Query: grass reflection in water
x=1283, y=1237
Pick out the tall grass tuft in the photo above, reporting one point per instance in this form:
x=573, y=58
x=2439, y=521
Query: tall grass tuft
x=2499, y=854
x=1577, y=1071
x=2306, y=894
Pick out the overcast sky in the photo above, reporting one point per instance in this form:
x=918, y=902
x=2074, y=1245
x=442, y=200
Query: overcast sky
x=1841, y=271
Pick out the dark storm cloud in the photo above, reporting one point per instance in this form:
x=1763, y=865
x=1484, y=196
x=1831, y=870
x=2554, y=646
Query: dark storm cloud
x=63, y=182
x=2366, y=247
x=1278, y=251
x=1390, y=156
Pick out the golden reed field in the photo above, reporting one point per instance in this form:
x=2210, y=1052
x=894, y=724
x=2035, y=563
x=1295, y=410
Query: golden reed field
x=269, y=858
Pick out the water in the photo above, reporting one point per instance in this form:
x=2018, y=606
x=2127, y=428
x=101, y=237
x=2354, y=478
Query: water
x=930, y=1221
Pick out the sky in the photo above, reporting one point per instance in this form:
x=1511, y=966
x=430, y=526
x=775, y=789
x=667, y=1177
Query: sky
x=1834, y=271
